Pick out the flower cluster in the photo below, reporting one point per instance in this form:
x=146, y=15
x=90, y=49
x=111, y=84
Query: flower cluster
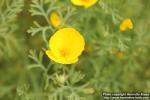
x=67, y=44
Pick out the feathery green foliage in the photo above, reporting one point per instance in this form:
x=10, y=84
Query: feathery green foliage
x=8, y=11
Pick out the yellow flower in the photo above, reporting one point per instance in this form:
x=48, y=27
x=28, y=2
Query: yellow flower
x=66, y=45
x=85, y=3
x=120, y=55
x=126, y=24
x=55, y=19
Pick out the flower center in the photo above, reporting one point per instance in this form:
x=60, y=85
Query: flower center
x=85, y=0
x=63, y=53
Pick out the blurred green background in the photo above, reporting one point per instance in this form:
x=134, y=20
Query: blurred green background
x=101, y=64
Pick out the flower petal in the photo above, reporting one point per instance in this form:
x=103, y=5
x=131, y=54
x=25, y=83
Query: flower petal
x=60, y=59
x=89, y=3
x=77, y=2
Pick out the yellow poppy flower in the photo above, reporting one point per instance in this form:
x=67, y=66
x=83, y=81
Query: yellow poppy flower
x=126, y=24
x=66, y=45
x=55, y=19
x=85, y=3
x=120, y=55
